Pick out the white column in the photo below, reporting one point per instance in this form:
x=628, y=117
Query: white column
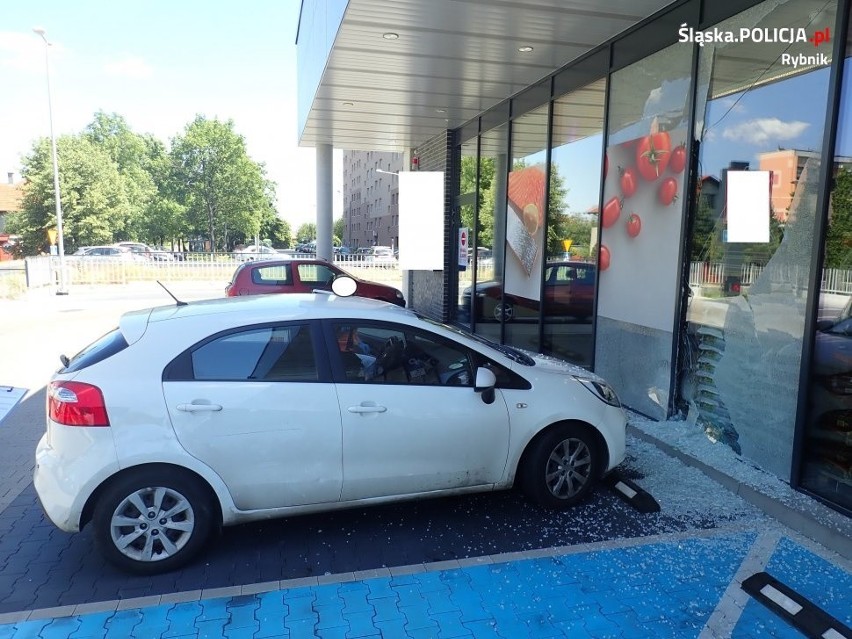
x=325, y=206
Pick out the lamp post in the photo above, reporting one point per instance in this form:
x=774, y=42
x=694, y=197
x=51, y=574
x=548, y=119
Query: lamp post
x=60, y=240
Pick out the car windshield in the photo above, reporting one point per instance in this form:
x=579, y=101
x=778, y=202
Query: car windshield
x=512, y=353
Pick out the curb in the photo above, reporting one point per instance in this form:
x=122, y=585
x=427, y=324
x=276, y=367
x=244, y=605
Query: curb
x=805, y=520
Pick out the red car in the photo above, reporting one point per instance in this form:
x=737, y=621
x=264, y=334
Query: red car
x=569, y=290
x=301, y=276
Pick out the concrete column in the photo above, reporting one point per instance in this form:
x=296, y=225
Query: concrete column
x=406, y=274
x=325, y=206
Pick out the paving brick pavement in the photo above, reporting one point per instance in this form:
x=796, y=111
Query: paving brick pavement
x=677, y=586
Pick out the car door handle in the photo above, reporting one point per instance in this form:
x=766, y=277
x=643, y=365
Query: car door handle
x=198, y=408
x=367, y=409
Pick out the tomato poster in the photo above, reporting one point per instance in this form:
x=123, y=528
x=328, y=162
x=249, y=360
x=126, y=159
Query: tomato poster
x=641, y=222
x=525, y=231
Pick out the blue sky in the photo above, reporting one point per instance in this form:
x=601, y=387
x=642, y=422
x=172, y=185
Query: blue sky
x=158, y=64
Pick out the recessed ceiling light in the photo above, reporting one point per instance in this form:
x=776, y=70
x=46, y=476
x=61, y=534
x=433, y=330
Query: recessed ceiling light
x=525, y=49
x=390, y=35
x=440, y=110
x=348, y=104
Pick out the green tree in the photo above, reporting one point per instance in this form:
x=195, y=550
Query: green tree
x=838, y=241
x=307, y=232
x=338, y=231
x=94, y=202
x=276, y=230
x=133, y=156
x=223, y=191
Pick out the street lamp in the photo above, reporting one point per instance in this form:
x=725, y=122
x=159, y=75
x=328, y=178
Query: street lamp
x=60, y=240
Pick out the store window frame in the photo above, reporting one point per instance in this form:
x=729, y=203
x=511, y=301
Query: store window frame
x=835, y=93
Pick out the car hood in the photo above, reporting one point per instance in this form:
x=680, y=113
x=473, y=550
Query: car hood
x=554, y=365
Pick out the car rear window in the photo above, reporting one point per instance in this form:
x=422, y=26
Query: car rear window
x=272, y=275
x=99, y=350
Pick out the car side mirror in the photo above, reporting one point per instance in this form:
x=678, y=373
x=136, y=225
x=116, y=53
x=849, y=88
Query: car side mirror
x=484, y=383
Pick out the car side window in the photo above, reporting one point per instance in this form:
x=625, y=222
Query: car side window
x=279, y=353
x=393, y=354
x=272, y=275
x=315, y=273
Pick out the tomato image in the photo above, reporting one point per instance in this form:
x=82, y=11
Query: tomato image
x=604, y=257
x=652, y=155
x=677, y=161
x=611, y=211
x=634, y=225
x=628, y=182
x=667, y=192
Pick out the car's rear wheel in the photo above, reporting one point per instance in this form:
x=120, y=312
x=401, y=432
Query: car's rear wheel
x=504, y=311
x=562, y=466
x=153, y=521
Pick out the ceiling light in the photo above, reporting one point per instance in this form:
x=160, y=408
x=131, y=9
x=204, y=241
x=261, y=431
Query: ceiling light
x=440, y=110
x=525, y=49
x=348, y=104
x=390, y=35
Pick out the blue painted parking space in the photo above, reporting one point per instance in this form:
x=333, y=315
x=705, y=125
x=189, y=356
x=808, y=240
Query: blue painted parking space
x=662, y=589
x=816, y=579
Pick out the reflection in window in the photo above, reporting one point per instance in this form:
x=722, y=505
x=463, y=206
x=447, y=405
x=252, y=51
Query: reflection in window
x=467, y=223
x=269, y=354
x=746, y=312
x=827, y=457
x=572, y=223
x=520, y=306
x=490, y=230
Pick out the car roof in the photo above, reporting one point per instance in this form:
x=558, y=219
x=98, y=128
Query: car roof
x=249, y=309
x=284, y=259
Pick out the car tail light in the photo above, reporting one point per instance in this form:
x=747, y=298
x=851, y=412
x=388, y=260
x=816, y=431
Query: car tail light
x=76, y=404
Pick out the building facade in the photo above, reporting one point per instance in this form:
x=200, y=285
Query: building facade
x=747, y=339
x=371, y=198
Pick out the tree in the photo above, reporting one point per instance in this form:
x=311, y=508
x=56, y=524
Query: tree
x=276, y=230
x=838, y=241
x=338, y=231
x=223, y=191
x=133, y=156
x=94, y=202
x=307, y=232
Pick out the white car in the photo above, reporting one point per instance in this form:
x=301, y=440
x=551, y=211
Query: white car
x=189, y=417
x=255, y=252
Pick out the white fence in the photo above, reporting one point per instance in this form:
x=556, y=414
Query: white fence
x=44, y=271
x=714, y=273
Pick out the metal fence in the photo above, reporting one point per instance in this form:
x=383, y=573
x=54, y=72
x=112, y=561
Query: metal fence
x=713, y=274
x=44, y=270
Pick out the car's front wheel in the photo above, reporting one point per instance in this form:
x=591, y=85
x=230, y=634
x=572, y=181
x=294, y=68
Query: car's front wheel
x=562, y=466
x=152, y=521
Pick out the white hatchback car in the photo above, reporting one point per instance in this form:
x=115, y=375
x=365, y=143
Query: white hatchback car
x=193, y=416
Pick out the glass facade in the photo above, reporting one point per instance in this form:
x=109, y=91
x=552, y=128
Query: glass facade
x=597, y=231
x=570, y=276
x=826, y=468
x=746, y=314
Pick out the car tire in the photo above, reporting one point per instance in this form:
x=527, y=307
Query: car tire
x=180, y=512
x=561, y=466
x=504, y=311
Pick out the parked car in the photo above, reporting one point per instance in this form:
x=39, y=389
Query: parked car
x=828, y=439
x=143, y=250
x=569, y=290
x=189, y=417
x=301, y=275
x=255, y=252
x=110, y=253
